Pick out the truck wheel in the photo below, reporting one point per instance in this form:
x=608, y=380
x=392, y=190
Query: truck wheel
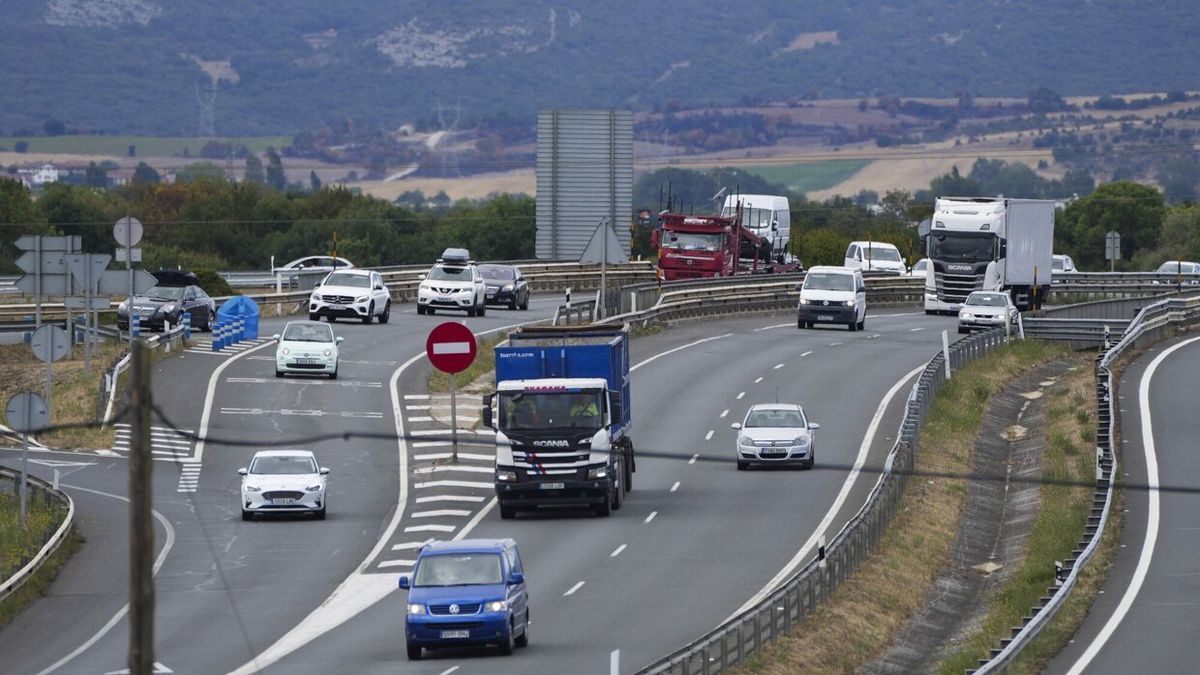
x=507, y=511
x=618, y=493
x=603, y=509
x=628, y=465
x=414, y=652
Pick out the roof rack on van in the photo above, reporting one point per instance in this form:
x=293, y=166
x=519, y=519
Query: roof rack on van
x=456, y=255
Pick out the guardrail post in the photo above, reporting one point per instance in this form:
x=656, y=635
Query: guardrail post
x=187, y=325
x=946, y=352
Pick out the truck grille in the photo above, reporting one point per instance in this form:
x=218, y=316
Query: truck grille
x=529, y=458
x=956, y=287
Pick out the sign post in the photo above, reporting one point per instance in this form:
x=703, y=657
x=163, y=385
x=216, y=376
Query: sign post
x=1112, y=248
x=50, y=343
x=127, y=232
x=26, y=412
x=451, y=348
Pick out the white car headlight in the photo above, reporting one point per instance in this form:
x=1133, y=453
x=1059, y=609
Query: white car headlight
x=361, y=299
x=416, y=608
x=251, y=488
x=746, y=441
x=168, y=308
x=315, y=487
x=124, y=306
x=508, y=287
x=497, y=606
x=328, y=353
x=285, y=351
x=801, y=440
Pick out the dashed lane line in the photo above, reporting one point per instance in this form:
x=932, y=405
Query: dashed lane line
x=571, y=591
x=447, y=455
x=430, y=528
x=804, y=354
x=453, y=483
x=439, y=513
x=780, y=365
x=655, y=513
x=741, y=394
x=474, y=499
x=616, y=552
x=724, y=412
x=759, y=379
x=674, y=488
x=425, y=470
x=709, y=435
x=694, y=458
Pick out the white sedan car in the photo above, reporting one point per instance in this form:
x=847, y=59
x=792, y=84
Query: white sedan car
x=282, y=481
x=775, y=433
x=306, y=347
x=920, y=268
x=986, y=309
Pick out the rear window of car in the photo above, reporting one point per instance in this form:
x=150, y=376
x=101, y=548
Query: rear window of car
x=501, y=273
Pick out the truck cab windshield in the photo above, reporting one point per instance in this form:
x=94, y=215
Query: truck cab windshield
x=534, y=411
x=961, y=248
x=691, y=241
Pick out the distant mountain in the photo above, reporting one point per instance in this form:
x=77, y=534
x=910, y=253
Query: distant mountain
x=172, y=67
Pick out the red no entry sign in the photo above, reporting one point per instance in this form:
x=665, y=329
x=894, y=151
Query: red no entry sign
x=450, y=347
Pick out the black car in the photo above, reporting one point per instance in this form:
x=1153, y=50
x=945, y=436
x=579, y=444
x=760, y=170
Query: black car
x=504, y=285
x=175, y=293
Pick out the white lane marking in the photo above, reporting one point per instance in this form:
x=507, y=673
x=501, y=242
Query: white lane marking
x=439, y=513
x=724, y=412
x=673, y=488
x=451, y=669
x=397, y=563
x=362, y=590
x=679, y=348
x=571, y=591
x=456, y=468
x=694, y=458
x=210, y=394
x=835, y=344
x=430, y=528
x=617, y=552
x=446, y=432
x=168, y=544
x=780, y=365
x=806, y=353
x=453, y=483
x=863, y=449
x=913, y=330
x=1152, y=517
x=778, y=325
x=452, y=348
x=758, y=380
x=655, y=513
x=740, y=395
x=462, y=455
x=416, y=397
x=420, y=419
x=410, y=545
x=708, y=436
x=475, y=499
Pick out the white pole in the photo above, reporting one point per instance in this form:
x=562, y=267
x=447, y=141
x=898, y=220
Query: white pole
x=946, y=352
x=614, y=662
x=25, y=460
x=603, y=266
x=454, y=417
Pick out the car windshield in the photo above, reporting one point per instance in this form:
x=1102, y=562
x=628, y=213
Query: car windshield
x=307, y=332
x=499, y=273
x=775, y=418
x=530, y=411
x=827, y=281
x=987, y=299
x=470, y=569
x=882, y=253
x=347, y=279
x=692, y=241
x=449, y=273
x=921, y=265
x=1057, y=264
x=165, y=292
x=960, y=247
x=283, y=464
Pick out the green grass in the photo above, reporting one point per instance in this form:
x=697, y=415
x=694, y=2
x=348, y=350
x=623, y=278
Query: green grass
x=147, y=146
x=809, y=176
x=485, y=362
x=18, y=546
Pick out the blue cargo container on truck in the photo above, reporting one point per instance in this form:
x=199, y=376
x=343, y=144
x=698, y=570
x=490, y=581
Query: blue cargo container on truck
x=563, y=418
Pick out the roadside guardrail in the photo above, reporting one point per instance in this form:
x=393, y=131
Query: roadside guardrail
x=10, y=481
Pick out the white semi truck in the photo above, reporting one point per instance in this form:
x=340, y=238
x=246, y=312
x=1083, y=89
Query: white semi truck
x=992, y=244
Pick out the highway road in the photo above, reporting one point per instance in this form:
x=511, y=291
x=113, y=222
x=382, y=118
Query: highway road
x=1148, y=617
x=695, y=541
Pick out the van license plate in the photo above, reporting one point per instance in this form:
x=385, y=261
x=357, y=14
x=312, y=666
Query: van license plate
x=455, y=634
x=552, y=486
x=824, y=317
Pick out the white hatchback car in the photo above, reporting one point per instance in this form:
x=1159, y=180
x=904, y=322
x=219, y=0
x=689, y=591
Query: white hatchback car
x=306, y=347
x=775, y=433
x=283, y=481
x=986, y=309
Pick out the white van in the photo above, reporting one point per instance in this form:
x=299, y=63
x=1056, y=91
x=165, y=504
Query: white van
x=834, y=295
x=875, y=256
x=768, y=216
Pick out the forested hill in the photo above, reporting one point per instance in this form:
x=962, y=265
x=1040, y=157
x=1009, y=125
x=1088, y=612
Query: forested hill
x=148, y=66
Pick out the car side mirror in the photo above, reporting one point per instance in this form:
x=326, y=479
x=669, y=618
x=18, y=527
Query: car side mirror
x=516, y=578
x=813, y=426
x=275, y=337
x=339, y=339
x=242, y=471
x=405, y=584
x=485, y=413
x=300, y=267
x=324, y=471
x=735, y=425
x=379, y=288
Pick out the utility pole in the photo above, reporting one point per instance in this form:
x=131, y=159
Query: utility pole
x=141, y=524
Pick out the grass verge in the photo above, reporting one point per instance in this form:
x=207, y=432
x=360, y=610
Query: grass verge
x=485, y=363
x=861, y=618
x=17, y=546
x=75, y=393
x=809, y=176
x=1070, y=432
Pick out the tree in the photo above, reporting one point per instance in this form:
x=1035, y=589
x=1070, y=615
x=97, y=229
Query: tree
x=254, y=172
x=1180, y=179
x=1043, y=100
x=954, y=185
x=313, y=182
x=95, y=176
x=54, y=127
x=143, y=173
x=276, y=176
x=1180, y=234
x=200, y=171
x=1134, y=210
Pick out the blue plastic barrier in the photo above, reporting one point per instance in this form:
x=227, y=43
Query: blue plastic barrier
x=187, y=325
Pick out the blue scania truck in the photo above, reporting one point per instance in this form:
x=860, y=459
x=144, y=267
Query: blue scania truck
x=563, y=418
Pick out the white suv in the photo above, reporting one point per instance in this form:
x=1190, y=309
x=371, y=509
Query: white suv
x=351, y=294
x=452, y=285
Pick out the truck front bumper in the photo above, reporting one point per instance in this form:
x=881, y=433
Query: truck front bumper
x=551, y=492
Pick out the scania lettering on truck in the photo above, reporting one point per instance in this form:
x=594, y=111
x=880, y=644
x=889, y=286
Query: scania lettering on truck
x=988, y=244
x=562, y=418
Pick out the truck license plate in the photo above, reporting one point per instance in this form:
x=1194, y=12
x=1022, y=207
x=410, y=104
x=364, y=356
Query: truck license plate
x=552, y=486
x=455, y=634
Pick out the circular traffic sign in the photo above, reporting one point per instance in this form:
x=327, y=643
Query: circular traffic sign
x=127, y=231
x=450, y=347
x=50, y=343
x=26, y=412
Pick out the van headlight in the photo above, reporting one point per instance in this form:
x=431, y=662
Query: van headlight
x=416, y=608
x=849, y=303
x=497, y=606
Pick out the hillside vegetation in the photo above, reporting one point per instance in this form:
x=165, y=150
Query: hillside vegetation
x=270, y=67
